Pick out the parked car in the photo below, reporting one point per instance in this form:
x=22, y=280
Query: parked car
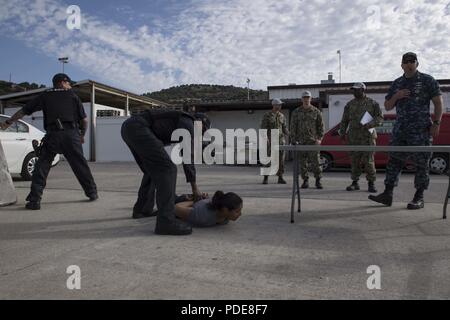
x=439, y=162
x=18, y=148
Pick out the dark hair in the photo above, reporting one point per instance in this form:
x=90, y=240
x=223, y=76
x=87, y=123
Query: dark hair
x=229, y=200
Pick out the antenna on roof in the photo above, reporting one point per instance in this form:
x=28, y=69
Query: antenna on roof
x=248, y=89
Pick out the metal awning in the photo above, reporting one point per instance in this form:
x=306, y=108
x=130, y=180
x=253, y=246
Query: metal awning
x=94, y=93
x=104, y=94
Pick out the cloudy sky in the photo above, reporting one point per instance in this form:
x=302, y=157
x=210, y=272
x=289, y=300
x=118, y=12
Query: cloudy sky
x=149, y=45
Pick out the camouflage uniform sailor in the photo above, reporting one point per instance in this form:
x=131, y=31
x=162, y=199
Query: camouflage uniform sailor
x=307, y=128
x=411, y=95
x=361, y=134
x=274, y=119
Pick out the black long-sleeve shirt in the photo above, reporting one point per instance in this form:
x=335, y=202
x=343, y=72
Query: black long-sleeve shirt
x=189, y=169
x=57, y=104
x=163, y=123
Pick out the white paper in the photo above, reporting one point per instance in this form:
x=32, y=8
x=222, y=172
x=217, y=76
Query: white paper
x=366, y=118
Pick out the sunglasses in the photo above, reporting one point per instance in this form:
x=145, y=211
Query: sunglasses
x=409, y=61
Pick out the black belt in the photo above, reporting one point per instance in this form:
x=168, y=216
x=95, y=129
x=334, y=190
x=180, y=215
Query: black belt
x=65, y=125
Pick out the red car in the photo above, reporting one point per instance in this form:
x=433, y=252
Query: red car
x=439, y=162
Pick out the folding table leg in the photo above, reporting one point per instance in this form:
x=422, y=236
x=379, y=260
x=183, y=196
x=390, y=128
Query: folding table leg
x=444, y=216
x=298, y=190
x=294, y=185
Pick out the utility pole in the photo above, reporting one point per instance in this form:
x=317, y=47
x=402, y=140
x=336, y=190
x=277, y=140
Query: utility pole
x=63, y=61
x=248, y=89
x=340, y=66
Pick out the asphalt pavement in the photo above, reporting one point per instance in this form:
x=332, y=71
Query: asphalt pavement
x=330, y=252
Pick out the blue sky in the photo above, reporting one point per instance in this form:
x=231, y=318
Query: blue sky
x=149, y=45
x=27, y=63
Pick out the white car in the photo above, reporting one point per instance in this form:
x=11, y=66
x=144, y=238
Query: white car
x=18, y=148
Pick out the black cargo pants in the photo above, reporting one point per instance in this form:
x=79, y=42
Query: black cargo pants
x=160, y=172
x=66, y=142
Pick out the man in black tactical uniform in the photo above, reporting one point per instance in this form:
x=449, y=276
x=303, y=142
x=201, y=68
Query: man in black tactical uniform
x=65, y=122
x=146, y=135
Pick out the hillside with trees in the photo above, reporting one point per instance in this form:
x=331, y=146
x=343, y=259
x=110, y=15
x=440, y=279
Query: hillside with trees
x=205, y=92
x=9, y=87
x=178, y=94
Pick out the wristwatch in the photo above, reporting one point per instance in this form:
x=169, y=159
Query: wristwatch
x=437, y=122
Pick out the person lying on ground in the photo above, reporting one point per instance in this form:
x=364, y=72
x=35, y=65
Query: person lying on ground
x=210, y=212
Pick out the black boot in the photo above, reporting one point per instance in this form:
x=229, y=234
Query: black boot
x=319, y=184
x=93, y=197
x=305, y=184
x=33, y=205
x=417, y=202
x=354, y=186
x=176, y=228
x=385, y=197
x=140, y=215
x=266, y=180
x=281, y=180
x=372, y=188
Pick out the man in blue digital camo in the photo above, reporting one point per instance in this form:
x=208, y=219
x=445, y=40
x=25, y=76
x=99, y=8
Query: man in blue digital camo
x=411, y=95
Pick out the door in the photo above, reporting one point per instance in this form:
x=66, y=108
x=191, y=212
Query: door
x=15, y=144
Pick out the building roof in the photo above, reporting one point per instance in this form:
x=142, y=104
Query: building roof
x=232, y=105
x=104, y=94
x=346, y=85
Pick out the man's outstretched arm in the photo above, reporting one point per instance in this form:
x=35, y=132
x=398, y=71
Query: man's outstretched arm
x=16, y=116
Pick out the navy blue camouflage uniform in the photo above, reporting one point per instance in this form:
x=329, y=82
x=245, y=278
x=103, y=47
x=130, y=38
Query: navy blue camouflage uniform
x=412, y=127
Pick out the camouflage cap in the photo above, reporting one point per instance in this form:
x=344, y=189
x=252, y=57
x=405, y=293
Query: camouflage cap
x=306, y=94
x=358, y=85
x=277, y=102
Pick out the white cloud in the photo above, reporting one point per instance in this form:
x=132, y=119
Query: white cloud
x=224, y=42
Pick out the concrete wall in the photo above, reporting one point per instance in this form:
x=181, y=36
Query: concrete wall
x=110, y=146
x=292, y=93
x=223, y=120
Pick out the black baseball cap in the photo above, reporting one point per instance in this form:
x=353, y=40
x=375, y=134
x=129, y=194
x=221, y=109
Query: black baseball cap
x=409, y=56
x=57, y=78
